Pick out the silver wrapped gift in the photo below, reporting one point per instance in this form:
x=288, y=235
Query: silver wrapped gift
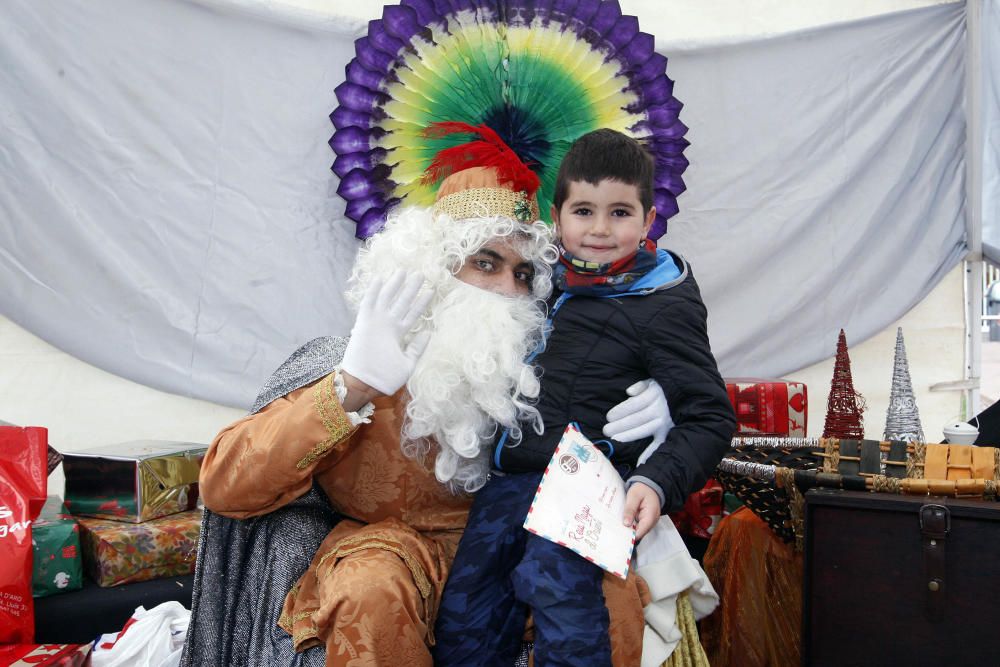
x=133, y=481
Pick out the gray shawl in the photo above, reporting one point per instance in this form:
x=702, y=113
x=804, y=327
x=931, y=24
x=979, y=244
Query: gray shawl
x=246, y=567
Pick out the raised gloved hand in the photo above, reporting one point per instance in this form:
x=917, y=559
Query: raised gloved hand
x=375, y=354
x=645, y=414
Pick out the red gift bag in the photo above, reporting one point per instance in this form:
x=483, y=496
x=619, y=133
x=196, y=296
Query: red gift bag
x=23, y=482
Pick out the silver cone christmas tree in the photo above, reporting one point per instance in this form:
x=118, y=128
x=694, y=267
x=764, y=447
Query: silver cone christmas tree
x=902, y=421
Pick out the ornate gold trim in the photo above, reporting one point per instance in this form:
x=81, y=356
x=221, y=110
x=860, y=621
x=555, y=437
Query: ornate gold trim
x=487, y=203
x=288, y=622
x=335, y=421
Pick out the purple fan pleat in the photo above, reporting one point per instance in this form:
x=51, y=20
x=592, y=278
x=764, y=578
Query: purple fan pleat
x=487, y=11
x=353, y=139
x=666, y=204
x=356, y=208
x=517, y=13
x=374, y=218
x=401, y=22
x=371, y=57
x=658, y=228
x=447, y=7
x=673, y=133
x=582, y=10
x=371, y=223
x=382, y=40
x=427, y=15
x=361, y=75
x=605, y=18
x=542, y=9
x=443, y=8
x=343, y=117
x=671, y=183
x=625, y=28
x=661, y=116
x=562, y=18
x=665, y=164
x=347, y=163
x=357, y=98
x=653, y=66
x=356, y=184
x=657, y=91
x=639, y=49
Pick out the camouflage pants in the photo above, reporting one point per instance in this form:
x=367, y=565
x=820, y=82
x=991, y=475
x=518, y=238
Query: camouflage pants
x=500, y=572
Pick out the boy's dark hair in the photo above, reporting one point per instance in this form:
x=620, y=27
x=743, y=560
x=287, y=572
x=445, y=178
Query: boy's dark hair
x=607, y=154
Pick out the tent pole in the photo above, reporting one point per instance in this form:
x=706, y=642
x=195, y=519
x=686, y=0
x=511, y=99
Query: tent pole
x=973, y=263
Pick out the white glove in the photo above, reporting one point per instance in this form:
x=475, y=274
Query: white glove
x=645, y=414
x=375, y=354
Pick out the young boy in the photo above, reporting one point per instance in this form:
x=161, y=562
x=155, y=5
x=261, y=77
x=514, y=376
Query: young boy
x=625, y=311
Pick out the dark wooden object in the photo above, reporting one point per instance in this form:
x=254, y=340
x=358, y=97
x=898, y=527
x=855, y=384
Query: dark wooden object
x=880, y=590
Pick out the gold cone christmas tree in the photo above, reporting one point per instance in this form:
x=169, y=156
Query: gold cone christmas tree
x=902, y=420
x=845, y=407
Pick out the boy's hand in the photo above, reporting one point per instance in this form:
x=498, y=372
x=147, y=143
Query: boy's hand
x=642, y=508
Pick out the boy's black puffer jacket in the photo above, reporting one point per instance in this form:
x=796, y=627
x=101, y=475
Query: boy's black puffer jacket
x=601, y=346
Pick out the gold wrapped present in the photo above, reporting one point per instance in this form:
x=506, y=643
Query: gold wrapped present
x=133, y=481
x=117, y=553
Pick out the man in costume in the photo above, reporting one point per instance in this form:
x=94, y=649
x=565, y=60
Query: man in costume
x=337, y=415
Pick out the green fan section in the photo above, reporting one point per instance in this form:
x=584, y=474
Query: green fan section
x=539, y=89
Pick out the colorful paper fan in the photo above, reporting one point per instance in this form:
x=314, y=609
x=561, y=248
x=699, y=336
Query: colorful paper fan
x=538, y=73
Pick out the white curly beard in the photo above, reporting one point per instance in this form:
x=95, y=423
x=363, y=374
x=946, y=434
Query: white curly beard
x=472, y=380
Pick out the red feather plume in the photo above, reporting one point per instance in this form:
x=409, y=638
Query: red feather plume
x=488, y=150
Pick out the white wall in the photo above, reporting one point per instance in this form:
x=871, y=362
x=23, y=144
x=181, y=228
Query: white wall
x=84, y=406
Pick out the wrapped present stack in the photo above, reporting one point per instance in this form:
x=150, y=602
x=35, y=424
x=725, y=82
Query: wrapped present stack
x=136, y=504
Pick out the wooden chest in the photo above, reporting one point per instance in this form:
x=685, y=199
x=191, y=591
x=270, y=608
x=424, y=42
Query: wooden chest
x=900, y=580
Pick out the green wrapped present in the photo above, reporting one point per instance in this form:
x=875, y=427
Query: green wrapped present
x=55, y=538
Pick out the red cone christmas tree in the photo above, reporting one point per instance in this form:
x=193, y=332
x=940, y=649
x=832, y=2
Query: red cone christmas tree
x=845, y=407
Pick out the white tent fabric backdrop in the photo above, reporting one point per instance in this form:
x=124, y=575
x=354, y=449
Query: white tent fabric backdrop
x=168, y=213
x=991, y=129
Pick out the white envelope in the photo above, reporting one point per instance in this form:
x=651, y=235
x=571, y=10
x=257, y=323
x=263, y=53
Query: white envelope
x=580, y=503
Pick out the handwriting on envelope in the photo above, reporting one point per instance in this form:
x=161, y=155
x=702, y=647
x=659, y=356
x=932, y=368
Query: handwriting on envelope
x=579, y=505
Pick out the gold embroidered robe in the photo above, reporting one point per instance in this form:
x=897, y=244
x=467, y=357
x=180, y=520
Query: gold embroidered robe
x=372, y=589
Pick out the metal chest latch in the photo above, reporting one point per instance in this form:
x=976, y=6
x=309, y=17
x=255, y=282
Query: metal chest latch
x=935, y=522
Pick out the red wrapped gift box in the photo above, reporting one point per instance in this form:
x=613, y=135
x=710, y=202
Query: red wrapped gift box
x=769, y=407
x=763, y=407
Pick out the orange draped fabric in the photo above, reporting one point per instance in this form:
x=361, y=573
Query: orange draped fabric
x=759, y=581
